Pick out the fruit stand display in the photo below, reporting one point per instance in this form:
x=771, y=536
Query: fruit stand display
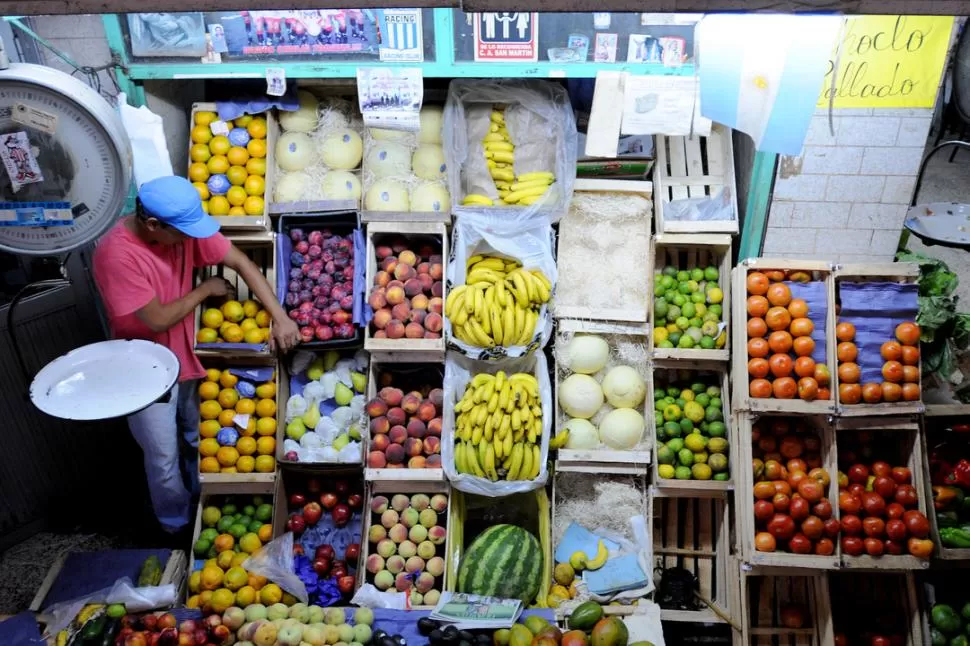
x=785, y=609
x=948, y=473
x=879, y=608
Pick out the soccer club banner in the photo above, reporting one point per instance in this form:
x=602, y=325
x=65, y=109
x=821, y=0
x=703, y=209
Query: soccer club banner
x=401, y=35
x=760, y=74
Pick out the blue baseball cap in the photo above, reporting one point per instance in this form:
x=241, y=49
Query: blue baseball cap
x=175, y=202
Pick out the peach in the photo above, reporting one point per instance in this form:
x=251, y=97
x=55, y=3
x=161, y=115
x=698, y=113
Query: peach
x=395, y=455
x=375, y=563
x=380, y=424
x=382, y=278
x=395, y=564
x=432, y=445
x=427, y=335
x=386, y=548
x=408, y=257
x=376, y=407
x=412, y=287
x=397, y=435
x=418, y=534
x=419, y=302
x=437, y=397
x=436, y=304
x=416, y=428
x=417, y=462
x=420, y=501
x=402, y=582
x=413, y=446
x=376, y=533
x=389, y=265
x=396, y=416
x=433, y=322
x=395, y=283
x=414, y=331
x=436, y=566
x=395, y=295
x=398, y=534
x=434, y=427
x=383, y=251
x=381, y=334
x=379, y=443
x=437, y=535
x=437, y=270
x=426, y=411
x=391, y=396
x=377, y=299
x=426, y=550
x=389, y=518
x=383, y=580
x=381, y=318
x=423, y=268
x=438, y=289
x=433, y=461
x=399, y=244
x=401, y=312
x=439, y=502
x=394, y=466
x=414, y=564
x=428, y=518
x=425, y=582
x=411, y=402
x=404, y=272
x=406, y=548
x=417, y=318
x=376, y=460
x=400, y=502
x=379, y=504
x=395, y=329
x=426, y=282
x=410, y=517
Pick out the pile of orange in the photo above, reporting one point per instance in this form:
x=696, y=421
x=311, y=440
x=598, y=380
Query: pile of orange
x=225, y=445
x=780, y=344
x=900, y=370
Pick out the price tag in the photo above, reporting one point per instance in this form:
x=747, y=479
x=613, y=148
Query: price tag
x=275, y=81
x=219, y=128
x=34, y=118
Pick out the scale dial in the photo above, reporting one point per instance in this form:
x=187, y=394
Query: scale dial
x=85, y=159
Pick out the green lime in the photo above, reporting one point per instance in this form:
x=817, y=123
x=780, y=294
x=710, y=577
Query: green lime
x=224, y=524
x=264, y=512
x=665, y=455
x=692, y=286
x=698, y=299
x=209, y=534
x=717, y=445
x=211, y=516
x=707, y=343
x=685, y=456
x=116, y=611
x=697, y=274
x=237, y=530
x=716, y=429
x=682, y=473
x=669, y=272
x=249, y=510
x=695, y=322
x=675, y=444
x=688, y=310
x=211, y=554
x=711, y=273
x=243, y=520
x=672, y=413
x=701, y=458
x=255, y=525
x=228, y=509
x=714, y=391
x=683, y=276
x=672, y=429
x=713, y=413
x=666, y=471
x=698, y=387
x=673, y=391
x=718, y=462
x=686, y=426
x=673, y=313
x=201, y=547
x=670, y=295
x=665, y=344
x=703, y=399
x=686, y=342
x=694, y=411
x=701, y=472
x=680, y=299
x=258, y=500
x=681, y=402
x=724, y=476
x=695, y=442
x=660, y=308
x=684, y=288
x=716, y=309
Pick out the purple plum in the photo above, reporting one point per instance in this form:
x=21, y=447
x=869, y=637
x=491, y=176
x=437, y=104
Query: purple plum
x=315, y=237
x=296, y=258
x=291, y=299
x=314, y=251
x=296, y=235
x=302, y=246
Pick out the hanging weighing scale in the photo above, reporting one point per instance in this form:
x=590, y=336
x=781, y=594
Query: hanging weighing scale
x=65, y=179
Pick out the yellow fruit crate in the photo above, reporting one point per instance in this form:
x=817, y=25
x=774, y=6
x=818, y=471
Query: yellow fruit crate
x=202, y=134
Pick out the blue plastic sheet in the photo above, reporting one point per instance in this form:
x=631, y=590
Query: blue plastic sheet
x=875, y=309
x=87, y=572
x=229, y=110
x=21, y=630
x=405, y=622
x=814, y=294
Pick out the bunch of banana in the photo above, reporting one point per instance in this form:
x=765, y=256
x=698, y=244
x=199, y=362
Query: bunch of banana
x=498, y=304
x=498, y=428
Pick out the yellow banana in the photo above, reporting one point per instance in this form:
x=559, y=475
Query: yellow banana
x=529, y=199
x=491, y=163
x=490, y=463
x=471, y=457
x=502, y=174
x=488, y=390
x=476, y=199
x=515, y=196
x=516, y=419
x=499, y=146
x=492, y=403
x=455, y=302
x=496, y=320
x=530, y=327
x=482, y=378
x=479, y=335
x=520, y=318
x=486, y=320
x=460, y=317
x=503, y=157
x=516, y=464
x=459, y=458
x=489, y=429
x=528, y=177
x=534, y=183
x=479, y=303
x=488, y=262
x=526, y=468
x=484, y=275
x=497, y=443
x=471, y=261
x=560, y=440
x=508, y=329
x=521, y=290
x=507, y=444
x=501, y=297
x=493, y=136
x=503, y=400
x=480, y=447
x=505, y=426
x=497, y=117
x=536, y=461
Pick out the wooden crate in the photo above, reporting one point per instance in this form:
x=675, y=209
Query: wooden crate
x=763, y=596
x=694, y=167
x=261, y=249
x=897, y=272
x=744, y=499
x=388, y=488
x=927, y=442
x=684, y=251
x=417, y=233
x=666, y=372
x=694, y=533
x=903, y=433
x=240, y=362
x=884, y=603
x=604, y=460
x=739, y=372
x=251, y=223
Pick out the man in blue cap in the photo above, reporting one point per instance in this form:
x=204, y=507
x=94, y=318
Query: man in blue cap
x=144, y=269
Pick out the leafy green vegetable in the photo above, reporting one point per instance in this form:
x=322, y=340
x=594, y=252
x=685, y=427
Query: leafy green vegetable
x=934, y=313
x=936, y=279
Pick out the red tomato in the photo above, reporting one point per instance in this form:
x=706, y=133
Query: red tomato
x=873, y=503
x=813, y=527
x=764, y=542
x=894, y=510
x=881, y=468
x=832, y=527
x=852, y=545
x=796, y=464
x=896, y=529
x=920, y=547
x=848, y=503
x=782, y=486
x=858, y=473
x=873, y=546
x=874, y=527
x=794, y=477
x=782, y=527
x=763, y=511
x=879, y=640
x=799, y=544
x=857, y=489
x=825, y=547
x=781, y=502
x=811, y=490
x=851, y=525
x=799, y=509
x=841, y=640
x=916, y=523
x=823, y=509
x=894, y=547
x=884, y=486
x=901, y=475
x=821, y=475
x=906, y=495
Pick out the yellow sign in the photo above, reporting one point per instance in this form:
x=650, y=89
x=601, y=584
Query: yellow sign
x=889, y=62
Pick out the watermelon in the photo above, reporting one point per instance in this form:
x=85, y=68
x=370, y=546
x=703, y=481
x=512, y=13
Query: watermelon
x=505, y=561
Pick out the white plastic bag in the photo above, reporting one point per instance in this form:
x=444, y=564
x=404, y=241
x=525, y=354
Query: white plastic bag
x=149, y=150
x=275, y=562
x=459, y=371
x=719, y=206
x=123, y=591
x=540, y=121
x=531, y=244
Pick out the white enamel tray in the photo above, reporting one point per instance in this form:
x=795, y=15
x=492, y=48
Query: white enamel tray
x=105, y=380
x=945, y=223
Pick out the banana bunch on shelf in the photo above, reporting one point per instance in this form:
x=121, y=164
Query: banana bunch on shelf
x=498, y=427
x=520, y=190
x=498, y=304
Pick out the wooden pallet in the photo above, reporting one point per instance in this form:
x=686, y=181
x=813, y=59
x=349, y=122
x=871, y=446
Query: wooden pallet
x=417, y=233
x=694, y=167
x=763, y=596
x=388, y=488
x=261, y=249
x=684, y=251
x=869, y=601
x=896, y=272
x=739, y=373
x=669, y=372
x=252, y=223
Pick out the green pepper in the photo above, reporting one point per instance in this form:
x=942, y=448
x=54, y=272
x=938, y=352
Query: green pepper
x=955, y=537
x=93, y=628
x=945, y=618
x=947, y=519
x=936, y=637
x=959, y=640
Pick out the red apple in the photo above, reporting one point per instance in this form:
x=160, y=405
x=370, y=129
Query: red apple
x=325, y=552
x=352, y=553
x=312, y=513
x=355, y=500
x=341, y=515
x=329, y=500
x=342, y=487
x=346, y=584
x=296, y=523
x=321, y=567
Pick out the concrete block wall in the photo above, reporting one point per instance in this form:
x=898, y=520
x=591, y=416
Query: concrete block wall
x=82, y=38
x=845, y=197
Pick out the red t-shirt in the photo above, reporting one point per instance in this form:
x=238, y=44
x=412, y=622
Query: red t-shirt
x=130, y=273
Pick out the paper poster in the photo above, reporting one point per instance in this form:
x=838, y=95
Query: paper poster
x=390, y=97
x=643, y=48
x=888, y=62
x=18, y=160
x=402, y=36
x=506, y=36
x=604, y=50
x=217, y=37
x=299, y=31
x=666, y=105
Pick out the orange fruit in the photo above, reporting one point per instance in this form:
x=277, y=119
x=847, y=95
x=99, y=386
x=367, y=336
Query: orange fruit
x=265, y=464
x=227, y=456
x=201, y=134
x=238, y=156
x=228, y=397
x=255, y=185
x=757, y=306
x=208, y=390
x=846, y=351
x=911, y=374
x=778, y=318
x=872, y=393
x=798, y=308
x=891, y=351
x=256, y=149
x=246, y=596
x=757, y=327
x=803, y=346
x=265, y=533
x=246, y=464
x=784, y=388
x=805, y=367
x=198, y=172
x=849, y=373
x=237, y=175
x=256, y=166
x=265, y=426
x=891, y=392
x=911, y=392
x=226, y=416
x=845, y=332
x=246, y=445
x=217, y=164
x=249, y=543
x=219, y=205
x=210, y=409
x=212, y=576
x=910, y=355
x=257, y=581
x=757, y=283
x=807, y=389
x=221, y=600
x=220, y=145
x=760, y=388
x=199, y=153
x=237, y=577
x=758, y=368
x=209, y=428
x=892, y=371
x=822, y=375
x=266, y=445
x=213, y=374
x=775, y=275
x=257, y=128
x=208, y=465
x=780, y=342
x=245, y=406
x=208, y=447
x=779, y=295
x=254, y=205
x=270, y=594
x=907, y=333
x=236, y=196
x=780, y=365
x=266, y=408
x=758, y=348
x=802, y=327
x=850, y=393
x=233, y=334
x=206, y=335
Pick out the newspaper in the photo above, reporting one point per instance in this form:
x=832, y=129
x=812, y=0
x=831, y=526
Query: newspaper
x=472, y=612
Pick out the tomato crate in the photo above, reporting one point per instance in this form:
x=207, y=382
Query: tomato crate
x=394, y=494
x=681, y=252
x=424, y=378
x=243, y=419
x=420, y=297
x=876, y=604
x=210, y=339
x=812, y=437
x=943, y=446
x=249, y=223
x=691, y=376
x=811, y=283
x=695, y=167
x=626, y=348
x=694, y=534
x=896, y=441
x=875, y=299
x=783, y=609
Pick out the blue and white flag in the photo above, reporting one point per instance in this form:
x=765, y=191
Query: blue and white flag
x=761, y=74
x=401, y=35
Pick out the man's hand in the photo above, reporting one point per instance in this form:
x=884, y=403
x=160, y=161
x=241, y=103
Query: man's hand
x=286, y=335
x=216, y=286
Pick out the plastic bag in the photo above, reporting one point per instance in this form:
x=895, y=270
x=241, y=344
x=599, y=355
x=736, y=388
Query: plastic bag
x=167, y=34
x=540, y=121
x=489, y=234
x=149, y=150
x=123, y=591
x=275, y=562
x=458, y=372
x=719, y=206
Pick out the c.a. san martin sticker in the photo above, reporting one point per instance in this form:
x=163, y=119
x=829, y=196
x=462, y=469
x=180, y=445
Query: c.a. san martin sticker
x=34, y=118
x=18, y=160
